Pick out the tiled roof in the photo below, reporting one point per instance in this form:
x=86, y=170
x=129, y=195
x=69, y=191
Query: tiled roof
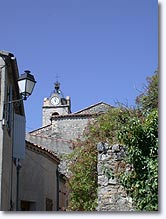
x=74, y=115
x=41, y=128
x=42, y=150
x=50, y=137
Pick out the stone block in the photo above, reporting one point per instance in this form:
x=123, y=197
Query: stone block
x=112, y=181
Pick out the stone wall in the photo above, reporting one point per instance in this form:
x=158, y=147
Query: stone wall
x=111, y=194
x=58, y=136
x=49, y=110
x=69, y=127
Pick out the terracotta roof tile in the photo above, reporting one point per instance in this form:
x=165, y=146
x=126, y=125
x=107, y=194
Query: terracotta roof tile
x=74, y=115
x=42, y=150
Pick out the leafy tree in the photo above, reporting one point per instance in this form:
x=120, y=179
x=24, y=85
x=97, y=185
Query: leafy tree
x=141, y=140
x=140, y=135
x=83, y=180
x=148, y=99
x=137, y=129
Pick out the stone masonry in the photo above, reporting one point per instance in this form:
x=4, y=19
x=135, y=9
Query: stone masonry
x=111, y=194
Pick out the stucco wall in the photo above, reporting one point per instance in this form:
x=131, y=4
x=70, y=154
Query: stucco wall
x=38, y=180
x=8, y=175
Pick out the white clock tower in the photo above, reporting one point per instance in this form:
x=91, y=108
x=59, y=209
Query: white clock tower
x=56, y=104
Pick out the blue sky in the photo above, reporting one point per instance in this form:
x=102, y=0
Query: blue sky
x=102, y=50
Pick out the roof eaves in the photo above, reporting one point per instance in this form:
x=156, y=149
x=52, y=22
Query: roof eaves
x=36, y=130
x=76, y=115
x=43, y=150
x=10, y=61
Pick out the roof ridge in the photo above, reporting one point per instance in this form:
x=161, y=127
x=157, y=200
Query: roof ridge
x=39, y=129
x=93, y=105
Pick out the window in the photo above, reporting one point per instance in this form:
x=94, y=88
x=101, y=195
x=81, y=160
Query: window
x=49, y=204
x=28, y=206
x=8, y=109
x=55, y=114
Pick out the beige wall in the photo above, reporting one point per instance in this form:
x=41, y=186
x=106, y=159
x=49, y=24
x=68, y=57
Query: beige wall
x=38, y=180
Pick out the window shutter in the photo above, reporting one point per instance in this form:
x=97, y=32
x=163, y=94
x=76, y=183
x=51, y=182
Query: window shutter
x=19, y=137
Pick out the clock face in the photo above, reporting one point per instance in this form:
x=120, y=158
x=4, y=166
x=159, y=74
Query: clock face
x=54, y=101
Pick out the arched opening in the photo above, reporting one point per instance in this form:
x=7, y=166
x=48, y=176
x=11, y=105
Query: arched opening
x=55, y=114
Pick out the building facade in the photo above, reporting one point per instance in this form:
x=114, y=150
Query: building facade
x=9, y=115
x=29, y=176
x=40, y=181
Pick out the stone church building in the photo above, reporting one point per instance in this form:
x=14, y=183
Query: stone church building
x=59, y=128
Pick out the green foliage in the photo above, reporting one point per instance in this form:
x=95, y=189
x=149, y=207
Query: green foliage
x=140, y=135
x=83, y=181
x=141, y=140
x=148, y=99
x=137, y=129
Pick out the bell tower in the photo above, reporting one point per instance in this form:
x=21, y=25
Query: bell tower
x=56, y=104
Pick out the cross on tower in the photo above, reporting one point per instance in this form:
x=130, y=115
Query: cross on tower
x=57, y=85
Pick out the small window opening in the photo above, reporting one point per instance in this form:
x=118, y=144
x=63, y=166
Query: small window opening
x=55, y=114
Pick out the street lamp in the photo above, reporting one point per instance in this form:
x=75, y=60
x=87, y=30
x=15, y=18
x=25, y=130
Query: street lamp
x=26, y=83
x=15, y=123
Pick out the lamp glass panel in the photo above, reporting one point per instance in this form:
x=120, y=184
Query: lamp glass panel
x=29, y=86
x=21, y=85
